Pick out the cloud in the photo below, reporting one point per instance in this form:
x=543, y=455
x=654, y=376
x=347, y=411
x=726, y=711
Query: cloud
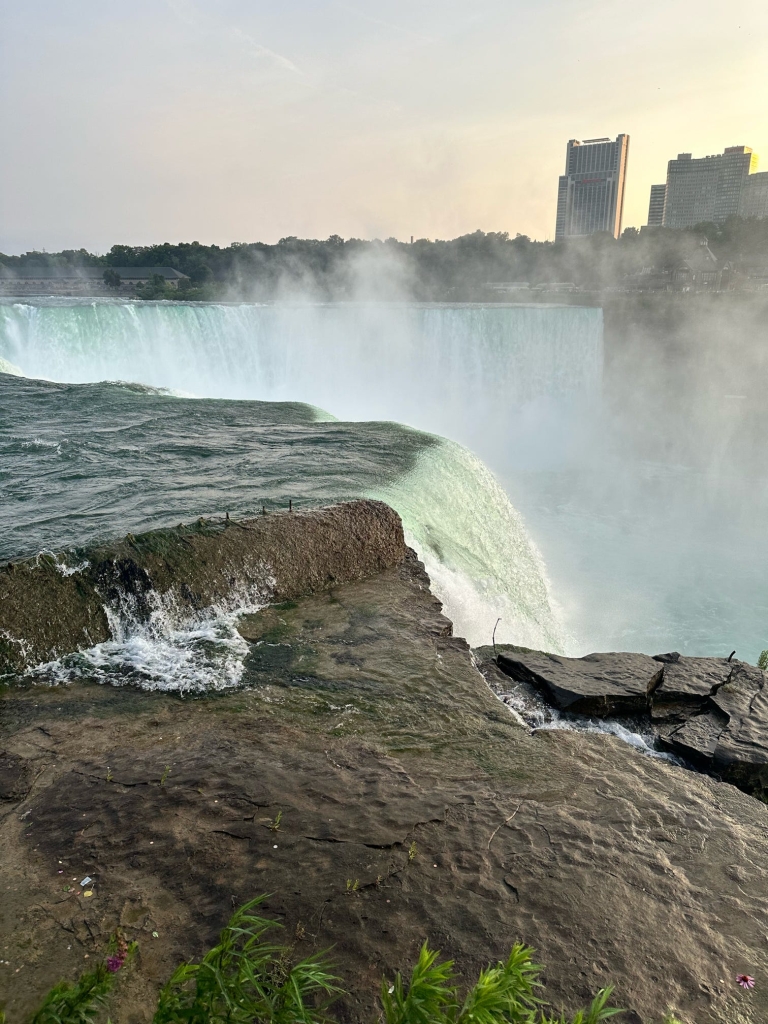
x=263, y=52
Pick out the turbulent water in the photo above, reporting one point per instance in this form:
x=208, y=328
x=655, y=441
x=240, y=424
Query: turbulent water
x=80, y=462
x=518, y=386
x=497, y=379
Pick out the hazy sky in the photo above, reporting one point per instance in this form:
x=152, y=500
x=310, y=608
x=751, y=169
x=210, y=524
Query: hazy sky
x=242, y=120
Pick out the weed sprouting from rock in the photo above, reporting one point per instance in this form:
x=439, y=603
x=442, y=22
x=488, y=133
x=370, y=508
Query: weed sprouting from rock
x=244, y=978
x=274, y=826
x=503, y=994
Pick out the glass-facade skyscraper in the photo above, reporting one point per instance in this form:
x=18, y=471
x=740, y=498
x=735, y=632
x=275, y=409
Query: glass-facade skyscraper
x=590, y=195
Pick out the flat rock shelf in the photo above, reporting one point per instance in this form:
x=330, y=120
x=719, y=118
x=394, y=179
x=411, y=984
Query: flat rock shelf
x=366, y=725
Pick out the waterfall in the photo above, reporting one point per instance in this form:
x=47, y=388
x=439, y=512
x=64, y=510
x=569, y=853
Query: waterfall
x=509, y=382
x=499, y=379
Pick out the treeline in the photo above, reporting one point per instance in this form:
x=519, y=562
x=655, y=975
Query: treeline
x=460, y=269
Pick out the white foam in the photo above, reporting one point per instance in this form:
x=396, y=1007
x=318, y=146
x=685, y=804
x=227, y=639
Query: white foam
x=533, y=711
x=173, y=649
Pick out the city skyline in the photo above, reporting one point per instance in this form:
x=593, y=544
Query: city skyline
x=231, y=121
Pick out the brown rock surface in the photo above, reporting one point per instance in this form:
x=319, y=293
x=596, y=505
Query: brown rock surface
x=598, y=684
x=365, y=723
x=48, y=608
x=687, y=682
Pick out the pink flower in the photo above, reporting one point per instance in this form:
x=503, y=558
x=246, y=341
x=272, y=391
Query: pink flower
x=745, y=980
x=118, y=958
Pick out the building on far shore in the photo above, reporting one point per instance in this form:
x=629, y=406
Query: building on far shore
x=657, y=205
x=754, y=196
x=708, y=188
x=44, y=280
x=590, y=195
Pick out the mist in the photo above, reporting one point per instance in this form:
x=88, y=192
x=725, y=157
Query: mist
x=629, y=437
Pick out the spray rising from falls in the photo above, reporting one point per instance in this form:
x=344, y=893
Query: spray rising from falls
x=507, y=381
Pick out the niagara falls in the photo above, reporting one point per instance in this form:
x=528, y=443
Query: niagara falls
x=383, y=501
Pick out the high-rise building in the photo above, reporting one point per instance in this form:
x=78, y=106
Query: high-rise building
x=590, y=195
x=754, y=196
x=708, y=188
x=657, y=205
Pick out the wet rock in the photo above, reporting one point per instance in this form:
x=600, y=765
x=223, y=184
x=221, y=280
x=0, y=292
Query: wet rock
x=613, y=865
x=686, y=682
x=696, y=739
x=15, y=777
x=599, y=684
x=711, y=712
x=52, y=606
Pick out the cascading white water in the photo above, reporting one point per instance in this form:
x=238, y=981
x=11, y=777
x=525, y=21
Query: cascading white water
x=508, y=381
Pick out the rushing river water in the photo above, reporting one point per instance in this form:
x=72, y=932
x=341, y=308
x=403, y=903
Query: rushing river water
x=518, y=387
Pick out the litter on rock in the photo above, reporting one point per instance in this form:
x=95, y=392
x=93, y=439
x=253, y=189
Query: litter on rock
x=88, y=892
x=86, y=880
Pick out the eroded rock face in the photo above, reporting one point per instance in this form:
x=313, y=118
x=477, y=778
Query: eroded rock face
x=710, y=711
x=51, y=606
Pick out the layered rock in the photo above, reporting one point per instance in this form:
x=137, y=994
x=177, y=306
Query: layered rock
x=712, y=712
x=54, y=605
x=600, y=684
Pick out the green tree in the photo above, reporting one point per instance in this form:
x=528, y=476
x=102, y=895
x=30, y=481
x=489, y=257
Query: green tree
x=111, y=278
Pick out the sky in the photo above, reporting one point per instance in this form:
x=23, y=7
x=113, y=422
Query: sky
x=245, y=120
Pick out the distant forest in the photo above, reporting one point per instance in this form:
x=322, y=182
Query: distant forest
x=460, y=270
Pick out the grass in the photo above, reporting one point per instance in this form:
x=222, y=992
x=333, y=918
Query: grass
x=274, y=826
x=245, y=978
x=79, y=1003
x=503, y=994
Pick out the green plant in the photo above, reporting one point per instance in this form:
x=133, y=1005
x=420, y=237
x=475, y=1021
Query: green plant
x=275, y=825
x=243, y=979
x=503, y=994
x=762, y=661
x=166, y=773
x=109, y=774
x=598, y=1011
x=412, y=851
x=353, y=886
x=79, y=1003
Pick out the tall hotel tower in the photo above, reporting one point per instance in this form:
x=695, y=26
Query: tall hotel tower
x=590, y=195
x=709, y=188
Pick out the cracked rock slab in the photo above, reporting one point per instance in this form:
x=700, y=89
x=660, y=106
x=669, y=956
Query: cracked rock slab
x=598, y=684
